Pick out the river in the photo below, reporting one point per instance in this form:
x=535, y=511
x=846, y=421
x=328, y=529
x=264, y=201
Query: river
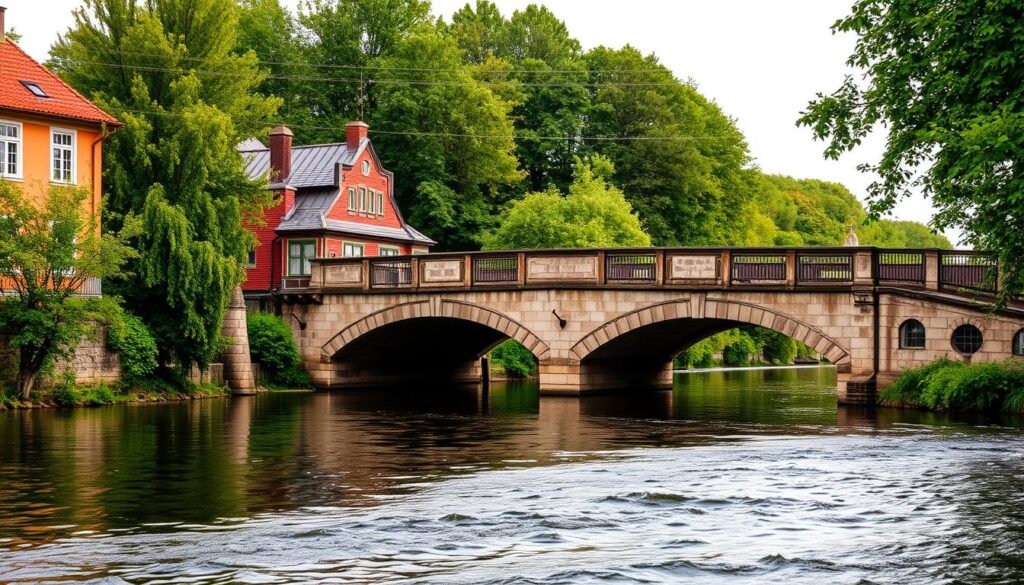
x=733, y=477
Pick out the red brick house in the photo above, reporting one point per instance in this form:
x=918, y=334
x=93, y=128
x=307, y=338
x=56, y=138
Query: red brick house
x=335, y=200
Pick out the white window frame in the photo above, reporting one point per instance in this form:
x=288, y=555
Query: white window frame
x=73, y=147
x=391, y=250
x=304, y=268
x=18, y=175
x=352, y=199
x=380, y=203
x=366, y=168
x=362, y=200
x=348, y=249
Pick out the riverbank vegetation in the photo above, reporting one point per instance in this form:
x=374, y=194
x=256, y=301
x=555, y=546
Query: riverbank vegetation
x=744, y=346
x=272, y=346
x=949, y=385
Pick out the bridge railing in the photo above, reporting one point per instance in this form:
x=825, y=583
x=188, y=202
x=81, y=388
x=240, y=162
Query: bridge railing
x=696, y=268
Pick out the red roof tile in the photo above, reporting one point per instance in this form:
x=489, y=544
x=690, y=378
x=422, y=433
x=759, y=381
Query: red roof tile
x=63, y=101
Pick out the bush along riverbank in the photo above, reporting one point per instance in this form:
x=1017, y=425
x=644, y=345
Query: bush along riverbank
x=66, y=393
x=948, y=385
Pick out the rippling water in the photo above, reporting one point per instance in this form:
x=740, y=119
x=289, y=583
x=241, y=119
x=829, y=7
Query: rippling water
x=739, y=477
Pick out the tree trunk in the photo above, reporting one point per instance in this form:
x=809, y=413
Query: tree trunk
x=26, y=380
x=29, y=364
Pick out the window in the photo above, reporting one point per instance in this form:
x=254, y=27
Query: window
x=366, y=168
x=1018, y=343
x=10, y=150
x=967, y=339
x=251, y=260
x=350, y=250
x=62, y=165
x=912, y=334
x=388, y=251
x=299, y=254
x=362, y=199
x=372, y=203
x=34, y=88
x=380, y=204
x=351, y=199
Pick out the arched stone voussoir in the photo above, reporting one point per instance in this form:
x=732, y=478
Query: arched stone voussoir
x=445, y=308
x=713, y=308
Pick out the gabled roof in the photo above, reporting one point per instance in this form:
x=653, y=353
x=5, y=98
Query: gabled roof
x=62, y=101
x=310, y=213
x=312, y=166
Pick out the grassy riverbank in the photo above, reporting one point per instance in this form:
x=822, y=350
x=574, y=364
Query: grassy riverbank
x=69, y=395
x=948, y=385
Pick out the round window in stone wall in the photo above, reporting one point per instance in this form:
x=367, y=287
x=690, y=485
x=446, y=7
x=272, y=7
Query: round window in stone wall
x=967, y=339
x=1018, y=343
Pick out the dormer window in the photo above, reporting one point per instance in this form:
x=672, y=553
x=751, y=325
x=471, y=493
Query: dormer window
x=34, y=88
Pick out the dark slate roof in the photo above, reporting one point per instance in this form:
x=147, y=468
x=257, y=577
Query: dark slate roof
x=312, y=166
x=312, y=205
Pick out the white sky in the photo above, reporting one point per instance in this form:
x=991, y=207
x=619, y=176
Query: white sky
x=760, y=61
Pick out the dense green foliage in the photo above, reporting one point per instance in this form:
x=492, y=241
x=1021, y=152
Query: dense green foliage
x=743, y=346
x=593, y=214
x=515, y=360
x=166, y=68
x=271, y=344
x=487, y=108
x=47, y=253
x=949, y=385
x=944, y=81
x=133, y=341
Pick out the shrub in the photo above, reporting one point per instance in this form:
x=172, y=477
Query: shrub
x=777, y=348
x=517, y=361
x=132, y=339
x=272, y=345
x=949, y=385
x=64, y=393
x=739, y=351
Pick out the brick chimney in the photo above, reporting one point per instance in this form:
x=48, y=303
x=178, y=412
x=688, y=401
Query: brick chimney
x=3, y=31
x=354, y=132
x=280, y=153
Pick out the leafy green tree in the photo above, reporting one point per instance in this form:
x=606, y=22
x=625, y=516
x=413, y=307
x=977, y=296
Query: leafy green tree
x=478, y=30
x=945, y=82
x=47, y=253
x=273, y=34
x=886, y=233
x=167, y=70
x=450, y=141
x=346, y=37
x=593, y=214
x=515, y=360
x=680, y=160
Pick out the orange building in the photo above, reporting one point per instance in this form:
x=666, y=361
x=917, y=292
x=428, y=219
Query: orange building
x=49, y=133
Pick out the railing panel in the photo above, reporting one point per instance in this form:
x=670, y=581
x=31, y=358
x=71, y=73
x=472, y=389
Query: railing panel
x=631, y=268
x=901, y=267
x=969, y=271
x=391, y=273
x=758, y=268
x=812, y=268
x=496, y=270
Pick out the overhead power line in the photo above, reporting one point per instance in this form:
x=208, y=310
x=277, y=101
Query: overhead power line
x=385, y=81
x=393, y=68
x=340, y=130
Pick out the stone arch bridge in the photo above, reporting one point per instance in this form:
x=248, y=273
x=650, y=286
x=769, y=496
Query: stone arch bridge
x=603, y=319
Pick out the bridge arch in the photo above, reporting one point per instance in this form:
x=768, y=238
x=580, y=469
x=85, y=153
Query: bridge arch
x=436, y=308
x=703, y=317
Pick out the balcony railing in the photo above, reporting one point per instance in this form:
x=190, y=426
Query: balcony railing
x=391, y=273
x=496, y=269
x=631, y=267
x=853, y=268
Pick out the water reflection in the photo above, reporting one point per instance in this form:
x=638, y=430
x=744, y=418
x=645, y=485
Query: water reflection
x=155, y=469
